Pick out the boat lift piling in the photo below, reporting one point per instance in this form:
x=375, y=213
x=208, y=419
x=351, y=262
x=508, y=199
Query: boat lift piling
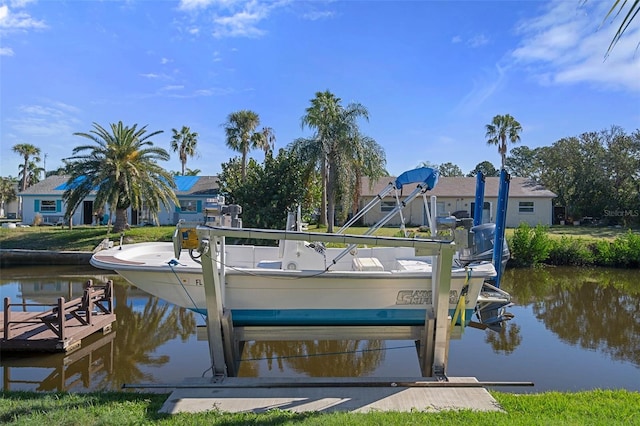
x=479, y=206
x=501, y=216
x=225, y=339
x=501, y=221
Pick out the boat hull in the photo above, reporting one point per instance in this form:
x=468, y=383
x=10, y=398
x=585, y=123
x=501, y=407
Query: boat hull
x=278, y=297
x=290, y=299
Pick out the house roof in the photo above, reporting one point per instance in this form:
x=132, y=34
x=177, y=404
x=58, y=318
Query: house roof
x=466, y=187
x=185, y=185
x=48, y=186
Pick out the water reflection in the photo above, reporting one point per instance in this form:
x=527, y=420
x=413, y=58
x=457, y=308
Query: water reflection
x=143, y=324
x=569, y=321
x=59, y=372
x=355, y=358
x=506, y=339
x=595, y=309
x=141, y=332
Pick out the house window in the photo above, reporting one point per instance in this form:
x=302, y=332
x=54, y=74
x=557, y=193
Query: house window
x=48, y=206
x=190, y=206
x=387, y=206
x=525, y=207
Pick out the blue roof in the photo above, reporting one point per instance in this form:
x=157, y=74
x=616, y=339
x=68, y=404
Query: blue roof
x=73, y=184
x=185, y=183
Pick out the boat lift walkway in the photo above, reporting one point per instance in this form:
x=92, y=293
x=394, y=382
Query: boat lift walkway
x=325, y=395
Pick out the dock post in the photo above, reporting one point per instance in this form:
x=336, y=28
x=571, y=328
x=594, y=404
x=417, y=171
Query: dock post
x=62, y=320
x=441, y=279
x=213, y=297
x=425, y=353
x=7, y=318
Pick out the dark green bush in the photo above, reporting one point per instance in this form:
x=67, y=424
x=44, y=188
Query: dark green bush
x=623, y=252
x=529, y=246
x=570, y=251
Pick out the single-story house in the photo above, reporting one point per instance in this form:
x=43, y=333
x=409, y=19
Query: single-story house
x=11, y=209
x=44, y=200
x=528, y=201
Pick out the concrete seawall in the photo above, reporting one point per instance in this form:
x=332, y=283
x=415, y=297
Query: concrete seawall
x=20, y=257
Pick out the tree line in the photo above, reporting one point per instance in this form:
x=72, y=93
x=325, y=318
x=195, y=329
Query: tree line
x=595, y=174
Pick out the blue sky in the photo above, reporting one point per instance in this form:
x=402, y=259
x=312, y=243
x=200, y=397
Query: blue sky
x=431, y=74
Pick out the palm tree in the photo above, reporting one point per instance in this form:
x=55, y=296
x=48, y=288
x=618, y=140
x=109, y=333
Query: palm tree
x=184, y=142
x=266, y=139
x=503, y=127
x=240, y=130
x=121, y=166
x=7, y=191
x=319, y=116
x=33, y=171
x=337, y=148
x=369, y=160
x=27, y=151
x=616, y=9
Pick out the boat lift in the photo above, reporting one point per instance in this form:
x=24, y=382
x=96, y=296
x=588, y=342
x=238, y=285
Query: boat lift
x=225, y=340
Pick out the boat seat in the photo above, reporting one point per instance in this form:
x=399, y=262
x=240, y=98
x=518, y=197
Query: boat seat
x=366, y=264
x=411, y=265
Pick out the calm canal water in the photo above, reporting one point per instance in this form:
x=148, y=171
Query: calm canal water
x=574, y=329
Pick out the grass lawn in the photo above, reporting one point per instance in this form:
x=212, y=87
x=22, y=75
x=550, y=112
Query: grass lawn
x=86, y=238
x=598, y=407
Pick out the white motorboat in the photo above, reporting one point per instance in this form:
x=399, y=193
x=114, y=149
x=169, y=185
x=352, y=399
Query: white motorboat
x=304, y=282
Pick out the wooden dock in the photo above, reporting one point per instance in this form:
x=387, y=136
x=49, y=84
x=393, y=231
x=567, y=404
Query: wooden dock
x=58, y=327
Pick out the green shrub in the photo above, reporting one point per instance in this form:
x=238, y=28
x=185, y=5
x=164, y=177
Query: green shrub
x=603, y=253
x=529, y=246
x=624, y=251
x=570, y=251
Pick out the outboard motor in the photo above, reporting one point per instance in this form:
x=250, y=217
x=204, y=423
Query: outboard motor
x=492, y=300
x=482, y=238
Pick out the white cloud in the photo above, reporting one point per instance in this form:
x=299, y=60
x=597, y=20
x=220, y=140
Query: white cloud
x=203, y=4
x=6, y=51
x=456, y=39
x=229, y=18
x=566, y=44
x=17, y=21
x=483, y=88
x=50, y=120
x=318, y=15
x=478, y=40
x=240, y=24
x=172, y=87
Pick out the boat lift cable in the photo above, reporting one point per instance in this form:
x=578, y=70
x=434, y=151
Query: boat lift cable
x=171, y=264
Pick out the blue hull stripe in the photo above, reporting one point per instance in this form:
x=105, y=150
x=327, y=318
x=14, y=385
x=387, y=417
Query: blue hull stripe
x=353, y=317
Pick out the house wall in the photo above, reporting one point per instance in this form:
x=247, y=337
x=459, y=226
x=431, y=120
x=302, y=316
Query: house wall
x=11, y=209
x=52, y=208
x=516, y=212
